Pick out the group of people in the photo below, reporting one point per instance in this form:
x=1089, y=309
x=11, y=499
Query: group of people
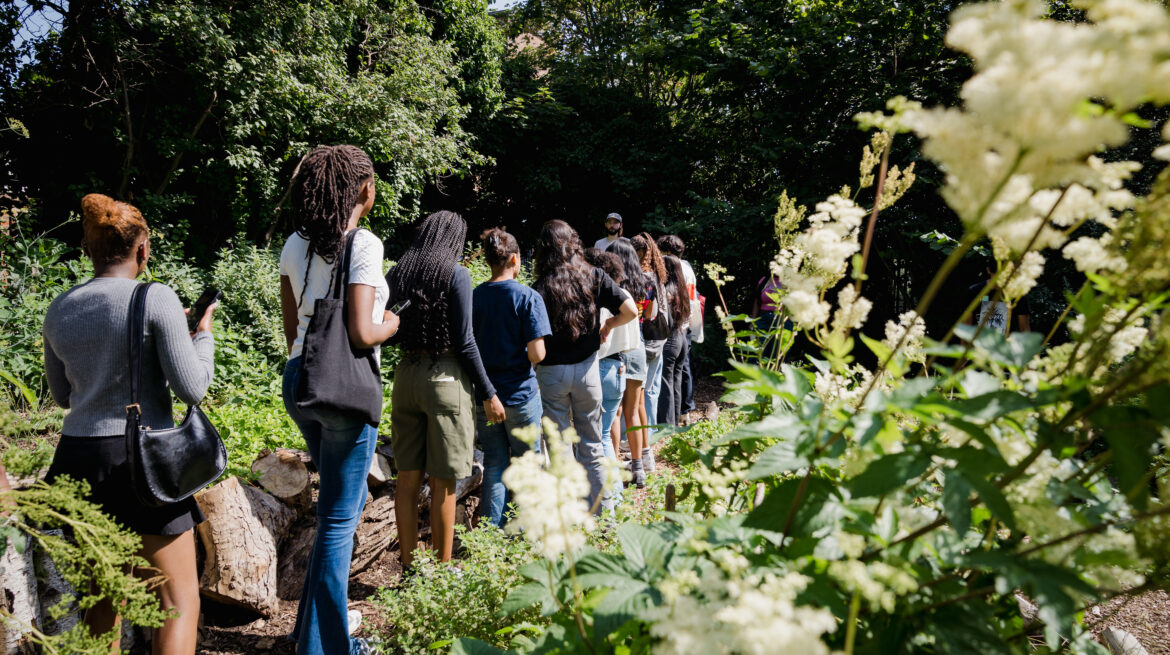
x=601, y=339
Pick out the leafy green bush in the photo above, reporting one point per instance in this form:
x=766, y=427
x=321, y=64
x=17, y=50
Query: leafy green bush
x=464, y=597
x=250, y=279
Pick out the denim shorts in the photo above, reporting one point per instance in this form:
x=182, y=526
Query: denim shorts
x=635, y=361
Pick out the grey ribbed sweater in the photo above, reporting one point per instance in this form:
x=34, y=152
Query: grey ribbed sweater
x=87, y=357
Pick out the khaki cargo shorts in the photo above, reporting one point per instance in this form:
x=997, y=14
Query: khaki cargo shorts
x=432, y=417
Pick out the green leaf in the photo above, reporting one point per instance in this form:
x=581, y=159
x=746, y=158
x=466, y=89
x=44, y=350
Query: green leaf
x=888, y=473
x=994, y=499
x=781, y=458
x=468, y=646
x=956, y=492
x=643, y=546
x=818, y=509
x=525, y=596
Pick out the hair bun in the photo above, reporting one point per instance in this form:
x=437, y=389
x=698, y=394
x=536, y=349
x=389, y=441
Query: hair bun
x=99, y=209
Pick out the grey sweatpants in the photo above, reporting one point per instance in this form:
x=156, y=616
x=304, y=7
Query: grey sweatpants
x=571, y=394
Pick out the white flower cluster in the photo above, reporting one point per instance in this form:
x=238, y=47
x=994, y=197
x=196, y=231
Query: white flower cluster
x=750, y=615
x=1123, y=339
x=817, y=258
x=1019, y=281
x=718, y=483
x=552, y=512
x=909, y=332
x=878, y=583
x=1093, y=255
x=834, y=388
x=852, y=310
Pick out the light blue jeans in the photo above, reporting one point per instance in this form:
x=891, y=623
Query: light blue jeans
x=653, y=386
x=499, y=447
x=571, y=395
x=613, y=383
x=342, y=448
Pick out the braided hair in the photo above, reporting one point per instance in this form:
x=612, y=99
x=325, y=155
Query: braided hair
x=423, y=276
x=325, y=189
x=564, y=280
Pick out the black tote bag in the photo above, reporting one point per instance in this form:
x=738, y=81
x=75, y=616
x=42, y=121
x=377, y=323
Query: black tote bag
x=335, y=376
x=170, y=464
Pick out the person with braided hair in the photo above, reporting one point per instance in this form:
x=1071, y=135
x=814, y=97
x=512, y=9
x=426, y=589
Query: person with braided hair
x=432, y=419
x=510, y=324
x=570, y=381
x=332, y=190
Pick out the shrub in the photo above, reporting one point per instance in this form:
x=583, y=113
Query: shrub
x=442, y=601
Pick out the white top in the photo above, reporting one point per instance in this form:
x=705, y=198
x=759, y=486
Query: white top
x=696, y=325
x=365, y=267
x=621, y=338
x=605, y=242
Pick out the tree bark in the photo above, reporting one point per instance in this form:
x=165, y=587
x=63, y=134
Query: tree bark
x=294, y=558
x=284, y=475
x=376, y=533
x=244, y=529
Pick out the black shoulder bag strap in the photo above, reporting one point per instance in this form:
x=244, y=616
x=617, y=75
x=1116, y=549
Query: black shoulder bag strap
x=137, y=336
x=341, y=267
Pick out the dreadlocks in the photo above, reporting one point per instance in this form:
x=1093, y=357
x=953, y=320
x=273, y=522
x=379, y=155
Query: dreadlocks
x=324, y=191
x=423, y=276
x=564, y=280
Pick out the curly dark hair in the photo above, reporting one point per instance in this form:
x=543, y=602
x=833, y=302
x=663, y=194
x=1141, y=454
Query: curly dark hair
x=498, y=246
x=325, y=189
x=649, y=255
x=423, y=276
x=608, y=262
x=633, y=280
x=671, y=244
x=564, y=280
x=676, y=290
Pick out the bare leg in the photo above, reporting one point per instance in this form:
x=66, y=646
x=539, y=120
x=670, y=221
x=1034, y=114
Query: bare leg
x=615, y=431
x=101, y=618
x=443, y=516
x=633, y=406
x=406, y=513
x=174, y=557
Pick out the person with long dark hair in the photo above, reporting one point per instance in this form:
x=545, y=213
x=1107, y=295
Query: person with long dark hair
x=332, y=190
x=432, y=419
x=671, y=244
x=656, y=330
x=510, y=325
x=86, y=353
x=674, y=353
x=635, y=283
x=611, y=354
x=570, y=382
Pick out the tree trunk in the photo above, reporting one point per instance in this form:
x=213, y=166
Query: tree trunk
x=376, y=533
x=284, y=475
x=244, y=529
x=294, y=558
x=18, y=584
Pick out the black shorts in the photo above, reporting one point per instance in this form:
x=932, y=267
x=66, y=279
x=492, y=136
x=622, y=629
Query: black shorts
x=101, y=461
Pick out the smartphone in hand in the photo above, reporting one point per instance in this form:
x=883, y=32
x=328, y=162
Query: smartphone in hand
x=209, y=296
x=400, y=307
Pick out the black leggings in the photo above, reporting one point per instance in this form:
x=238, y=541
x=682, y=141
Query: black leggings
x=670, y=398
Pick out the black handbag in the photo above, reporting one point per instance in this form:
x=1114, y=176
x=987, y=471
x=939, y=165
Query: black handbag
x=659, y=327
x=335, y=376
x=170, y=464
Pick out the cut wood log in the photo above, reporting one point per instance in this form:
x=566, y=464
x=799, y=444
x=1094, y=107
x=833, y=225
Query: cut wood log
x=241, y=538
x=1121, y=642
x=376, y=533
x=284, y=475
x=380, y=472
x=294, y=558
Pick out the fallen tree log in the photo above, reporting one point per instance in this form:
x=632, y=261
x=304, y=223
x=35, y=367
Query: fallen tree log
x=294, y=558
x=376, y=533
x=463, y=486
x=283, y=474
x=241, y=536
x=381, y=472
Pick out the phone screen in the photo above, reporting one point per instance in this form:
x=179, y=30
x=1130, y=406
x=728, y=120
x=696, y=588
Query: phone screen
x=205, y=300
x=400, y=307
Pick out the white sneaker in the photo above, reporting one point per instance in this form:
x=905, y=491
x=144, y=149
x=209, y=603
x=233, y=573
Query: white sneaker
x=355, y=621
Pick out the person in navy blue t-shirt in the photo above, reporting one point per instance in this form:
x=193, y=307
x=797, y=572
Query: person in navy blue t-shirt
x=510, y=324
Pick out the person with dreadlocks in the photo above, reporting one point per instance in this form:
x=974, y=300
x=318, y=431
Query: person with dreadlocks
x=510, y=324
x=431, y=415
x=332, y=190
x=570, y=382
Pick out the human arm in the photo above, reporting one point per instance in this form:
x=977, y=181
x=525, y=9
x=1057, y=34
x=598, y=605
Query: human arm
x=536, y=351
x=288, y=311
x=363, y=331
x=463, y=337
x=188, y=362
x=59, y=385
x=609, y=296
x=626, y=313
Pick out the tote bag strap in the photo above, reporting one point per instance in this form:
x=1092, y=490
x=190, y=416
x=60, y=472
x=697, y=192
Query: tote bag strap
x=137, y=332
x=341, y=267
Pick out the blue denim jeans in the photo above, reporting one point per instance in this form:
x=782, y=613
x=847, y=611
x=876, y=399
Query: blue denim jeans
x=653, y=387
x=499, y=446
x=342, y=448
x=613, y=383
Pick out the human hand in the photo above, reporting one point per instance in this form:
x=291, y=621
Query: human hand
x=494, y=409
x=605, y=330
x=391, y=319
x=205, y=323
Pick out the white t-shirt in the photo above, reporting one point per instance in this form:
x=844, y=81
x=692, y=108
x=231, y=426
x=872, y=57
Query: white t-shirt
x=621, y=338
x=365, y=267
x=696, y=325
x=605, y=242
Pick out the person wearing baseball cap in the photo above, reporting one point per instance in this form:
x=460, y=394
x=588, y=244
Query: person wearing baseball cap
x=613, y=230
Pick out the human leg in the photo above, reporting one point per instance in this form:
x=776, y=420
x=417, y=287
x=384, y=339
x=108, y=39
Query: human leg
x=688, y=383
x=174, y=557
x=450, y=443
x=670, y=368
x=345, y=454
x=443, y=516
x=680, y=380
x=610, y=371
x=406, y=513
x=635, y=416
x=493, y=441
x=585, y=400
x=408, y=439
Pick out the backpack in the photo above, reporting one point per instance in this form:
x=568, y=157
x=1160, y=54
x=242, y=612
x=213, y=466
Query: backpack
x=659, y=327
